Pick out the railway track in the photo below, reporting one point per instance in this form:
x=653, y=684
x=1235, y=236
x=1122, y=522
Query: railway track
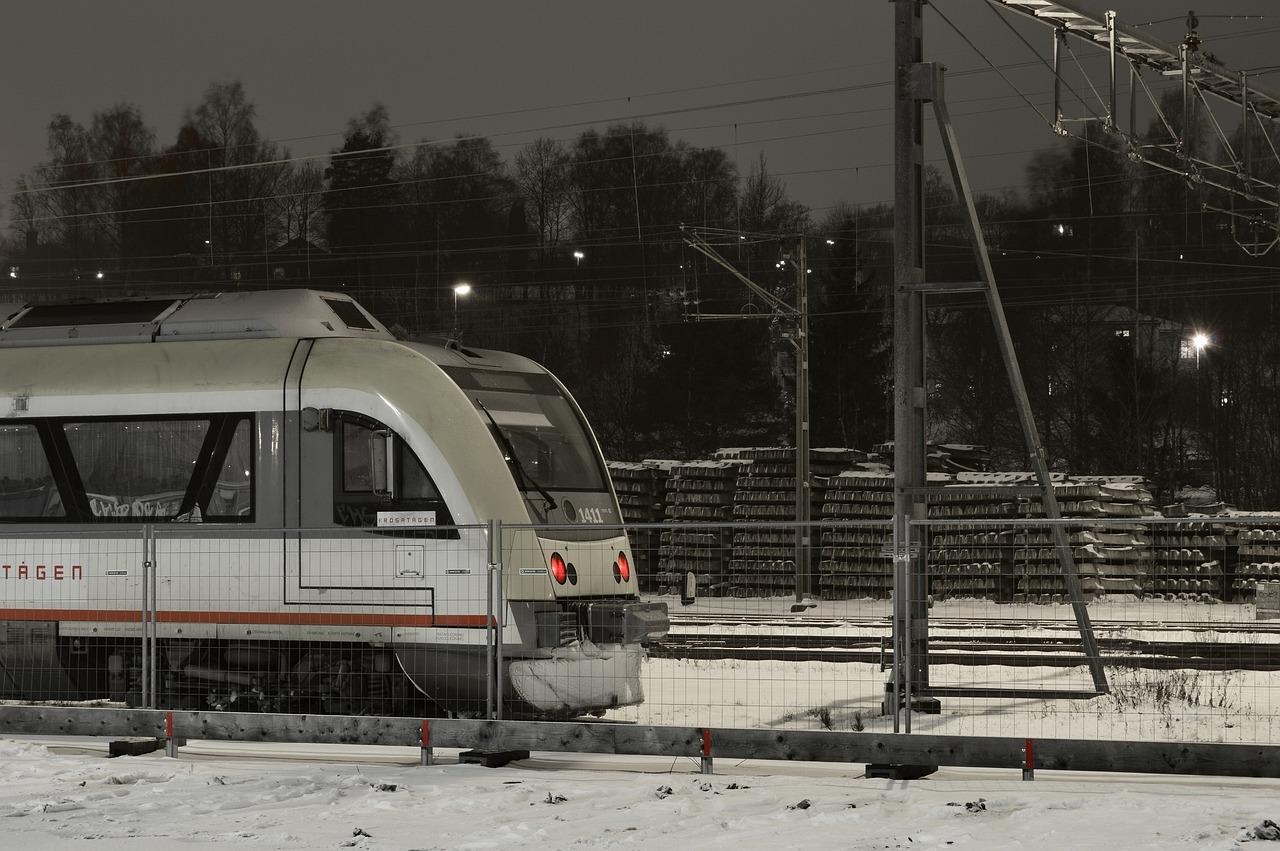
x=684, y=620
x=1056, y=644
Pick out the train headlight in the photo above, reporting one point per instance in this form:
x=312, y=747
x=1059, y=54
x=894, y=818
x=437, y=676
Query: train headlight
x=558, y=568
x=624, y=567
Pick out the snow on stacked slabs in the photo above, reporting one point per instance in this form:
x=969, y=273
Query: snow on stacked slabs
x=1119, y=549
x=697, y=492
x=763, y=562
x=1111, y=555
x=642, y=492
x=958, y=457
x=946, y=457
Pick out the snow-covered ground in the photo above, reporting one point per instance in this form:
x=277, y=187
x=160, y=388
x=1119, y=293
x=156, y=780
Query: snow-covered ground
x=1144, y=704
x=60, y=793
x=305, y=797
x=1195, y=706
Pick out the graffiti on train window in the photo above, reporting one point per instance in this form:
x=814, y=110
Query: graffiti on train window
x=184, y=470
x=136, y=468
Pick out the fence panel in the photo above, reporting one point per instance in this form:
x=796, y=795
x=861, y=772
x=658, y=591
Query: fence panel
x=418, y=622
x=73, y=604
x=1189, y=653
x=747, y=650
x=333, y=621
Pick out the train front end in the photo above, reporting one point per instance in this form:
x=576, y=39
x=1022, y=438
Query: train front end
x=575, y=628
x=579, y=626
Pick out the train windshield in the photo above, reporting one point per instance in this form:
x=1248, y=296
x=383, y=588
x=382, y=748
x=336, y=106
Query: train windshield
x=536, y=427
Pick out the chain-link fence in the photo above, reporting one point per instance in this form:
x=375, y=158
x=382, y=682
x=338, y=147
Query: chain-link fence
x=1181, y=611
x=751, y=624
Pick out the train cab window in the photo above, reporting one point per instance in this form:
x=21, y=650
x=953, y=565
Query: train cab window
x=366, y=483
x=27, y=488
x=357, y=461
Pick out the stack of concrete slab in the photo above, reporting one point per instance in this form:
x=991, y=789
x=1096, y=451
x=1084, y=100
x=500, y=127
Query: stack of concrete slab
x=698, y=492
x=1257, y=560
x=764, y=556
x=1110, y=557
x=854, y=560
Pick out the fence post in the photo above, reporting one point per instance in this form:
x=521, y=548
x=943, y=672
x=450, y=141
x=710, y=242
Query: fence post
x=498, y=610
x=491, y=567
x=170, y=740
x=427, y=756
x=145, y=696
x=894, y=705
x=908, y=628
x=153, y=662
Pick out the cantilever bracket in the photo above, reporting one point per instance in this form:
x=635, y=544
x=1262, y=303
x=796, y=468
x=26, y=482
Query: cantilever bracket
x=924, y=80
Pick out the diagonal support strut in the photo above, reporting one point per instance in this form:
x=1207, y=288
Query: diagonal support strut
x=930, y=75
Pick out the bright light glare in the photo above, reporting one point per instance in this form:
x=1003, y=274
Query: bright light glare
x=99, y=275
x=462, y=288
x=1200, y=341
x=578, y=255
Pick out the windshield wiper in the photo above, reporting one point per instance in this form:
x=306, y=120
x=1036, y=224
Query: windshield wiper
x=524, y=479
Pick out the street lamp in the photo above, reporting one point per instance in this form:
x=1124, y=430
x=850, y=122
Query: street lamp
x=462, y=288
x=578, y=257
x=1199, y=341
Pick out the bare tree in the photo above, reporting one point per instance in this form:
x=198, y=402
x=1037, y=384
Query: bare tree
x=764, y=205
x=300, y=208
x=542, y=177
x=246, y=172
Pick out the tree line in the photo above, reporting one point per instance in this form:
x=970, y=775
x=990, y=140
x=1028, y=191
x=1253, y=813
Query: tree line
x=573, y=247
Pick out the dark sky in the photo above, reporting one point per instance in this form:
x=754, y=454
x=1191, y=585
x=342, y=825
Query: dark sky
x=516, y=70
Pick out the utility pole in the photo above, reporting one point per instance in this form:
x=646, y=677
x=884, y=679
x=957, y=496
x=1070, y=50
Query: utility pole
x=804, y=484
x=798, y=317
x=911, y=602
x=916, y=83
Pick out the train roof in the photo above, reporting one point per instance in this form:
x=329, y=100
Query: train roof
x=212, y=316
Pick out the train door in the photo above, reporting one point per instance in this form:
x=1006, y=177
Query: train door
x=367, y=514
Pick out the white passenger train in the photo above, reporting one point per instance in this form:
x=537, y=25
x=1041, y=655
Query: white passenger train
x=320, y=493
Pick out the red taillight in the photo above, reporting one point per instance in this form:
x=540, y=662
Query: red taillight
x=624, y=566
x=558, y=568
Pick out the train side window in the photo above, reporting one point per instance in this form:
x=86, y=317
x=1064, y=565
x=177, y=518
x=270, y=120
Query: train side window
x=231, y=497
x=355, y=501
x=27, y=488
x=178, y=469
x=136, y=468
